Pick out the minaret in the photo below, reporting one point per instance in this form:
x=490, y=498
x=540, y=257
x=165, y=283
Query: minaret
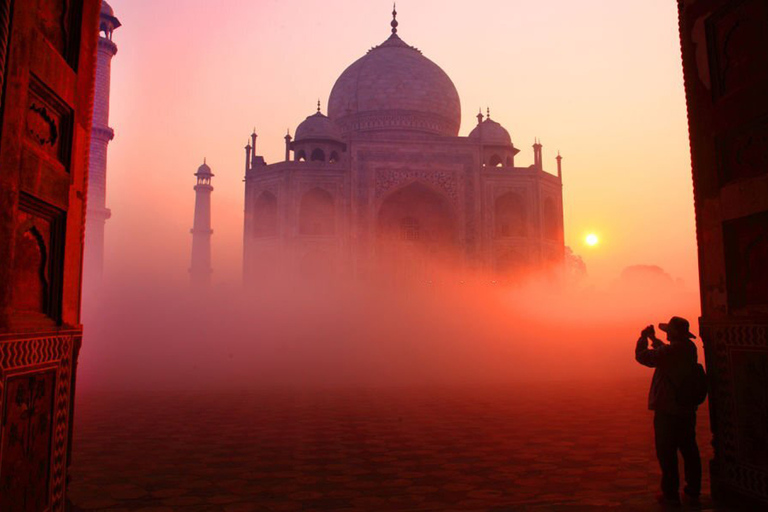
x=200, y=271
x=288, y=146
x=97, y=212
x=537, y=161
x=253, y=144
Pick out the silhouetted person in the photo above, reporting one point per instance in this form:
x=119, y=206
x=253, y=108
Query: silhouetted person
x=674, y=418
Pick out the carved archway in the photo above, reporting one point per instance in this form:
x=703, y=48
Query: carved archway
x=265, y=215
x=317, y=213
x=551, y=225
x=417, y=230
x=511, y=216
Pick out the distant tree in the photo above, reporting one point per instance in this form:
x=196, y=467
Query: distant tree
x=575, y=266
x=646, y=276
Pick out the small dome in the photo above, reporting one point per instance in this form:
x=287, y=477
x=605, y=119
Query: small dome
x=317, y=127
x=106, y=8
x=108, y=20
x=204, y=170
x=492, y=133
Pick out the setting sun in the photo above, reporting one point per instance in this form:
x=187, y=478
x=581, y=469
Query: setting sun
x=592, y=239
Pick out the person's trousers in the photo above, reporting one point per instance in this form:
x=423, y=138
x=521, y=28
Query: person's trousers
x=675, y=432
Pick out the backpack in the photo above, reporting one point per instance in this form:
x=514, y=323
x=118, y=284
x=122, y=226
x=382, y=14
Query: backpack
x=691, y=390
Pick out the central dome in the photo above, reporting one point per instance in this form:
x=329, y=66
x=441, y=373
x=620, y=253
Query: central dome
x=395, y=88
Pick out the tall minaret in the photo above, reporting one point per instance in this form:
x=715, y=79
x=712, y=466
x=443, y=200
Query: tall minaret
x=200, y=271
x=97, y=212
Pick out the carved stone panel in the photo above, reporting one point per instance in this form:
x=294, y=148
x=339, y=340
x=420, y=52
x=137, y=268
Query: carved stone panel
x=746, y=254
x=37, y=277
x=749, y=371
x=737, y=364
x=31, y=278
x=48, y=123
x=743, y=153
x=58, y=21
x=35, y=386
x=26, y=443
x=389, y=179
x=737, y=53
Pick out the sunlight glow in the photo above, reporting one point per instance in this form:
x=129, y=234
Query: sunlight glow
x=592, y=239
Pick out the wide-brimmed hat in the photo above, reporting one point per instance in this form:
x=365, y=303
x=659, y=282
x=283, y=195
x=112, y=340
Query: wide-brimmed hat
x=677, y=326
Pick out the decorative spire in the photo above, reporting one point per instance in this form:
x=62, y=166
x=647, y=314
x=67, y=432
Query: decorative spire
x=488, y=112
x=287, y=144
x=318, y=105
x=480, y=115
x=394, y=18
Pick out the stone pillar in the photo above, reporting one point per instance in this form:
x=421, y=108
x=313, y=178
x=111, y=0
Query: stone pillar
x=724, y=49
x=101, y=134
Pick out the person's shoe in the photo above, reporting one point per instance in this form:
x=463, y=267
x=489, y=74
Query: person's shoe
x=668, y=501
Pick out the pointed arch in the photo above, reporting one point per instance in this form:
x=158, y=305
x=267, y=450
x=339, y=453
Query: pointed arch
x=318, y=155
x=495, y=161
x=511, y=215
x=317, y=213
x=265, y=215
x=418, y=208
x=417, y=231
x=551, y=224
x=30, y=286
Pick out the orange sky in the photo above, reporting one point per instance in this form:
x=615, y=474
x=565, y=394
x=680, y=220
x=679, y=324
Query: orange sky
x=600, y=80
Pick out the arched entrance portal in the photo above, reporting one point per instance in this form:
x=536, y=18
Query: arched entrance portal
x=417, y=233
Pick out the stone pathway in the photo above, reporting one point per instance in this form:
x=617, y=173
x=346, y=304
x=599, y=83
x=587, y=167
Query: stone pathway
x=566, y=447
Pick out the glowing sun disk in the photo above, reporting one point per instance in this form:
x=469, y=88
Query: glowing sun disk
x=592, y=239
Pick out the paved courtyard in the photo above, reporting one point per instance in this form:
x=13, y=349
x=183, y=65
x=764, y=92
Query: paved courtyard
x=566, y=446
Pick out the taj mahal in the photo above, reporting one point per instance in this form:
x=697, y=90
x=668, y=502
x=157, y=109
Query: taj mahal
x=384, y=180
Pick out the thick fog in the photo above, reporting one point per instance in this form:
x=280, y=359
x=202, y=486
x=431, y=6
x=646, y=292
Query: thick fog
x=456, y=329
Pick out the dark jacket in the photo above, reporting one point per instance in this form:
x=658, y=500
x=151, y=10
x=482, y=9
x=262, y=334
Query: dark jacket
x=673, y=363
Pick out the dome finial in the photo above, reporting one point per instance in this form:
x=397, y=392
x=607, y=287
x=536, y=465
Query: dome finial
x=318, y=105
x=394, y=18
x=479, y=115
x=488, y=112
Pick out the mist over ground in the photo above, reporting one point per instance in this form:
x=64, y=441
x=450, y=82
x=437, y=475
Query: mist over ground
x=289, y=332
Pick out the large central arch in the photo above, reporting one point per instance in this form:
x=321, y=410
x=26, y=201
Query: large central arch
x=417, y=231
